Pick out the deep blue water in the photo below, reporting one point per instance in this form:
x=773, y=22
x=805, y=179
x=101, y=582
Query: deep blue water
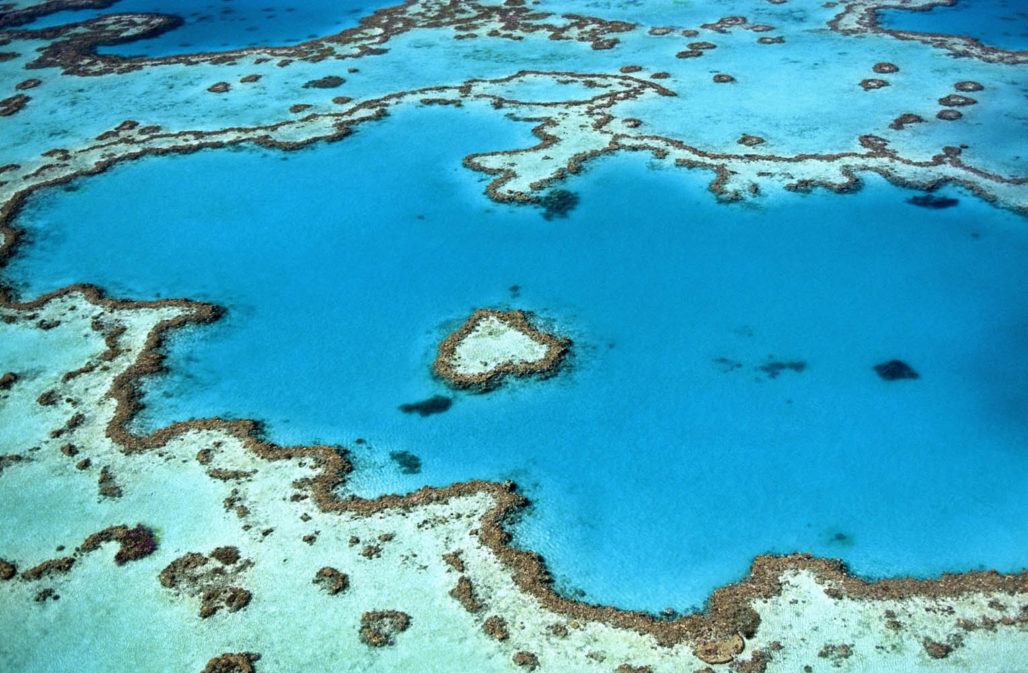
x=229, y=24
x=665, y=458
x=996, y=23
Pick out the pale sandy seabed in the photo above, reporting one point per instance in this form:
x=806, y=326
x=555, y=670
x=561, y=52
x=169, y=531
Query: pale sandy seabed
x=493, y=342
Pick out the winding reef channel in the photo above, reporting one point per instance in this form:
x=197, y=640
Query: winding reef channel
x=235, y=553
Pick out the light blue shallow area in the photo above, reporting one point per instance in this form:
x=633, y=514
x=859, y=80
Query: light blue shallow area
x=228, y=24
x=657, y=472
x=996, y=23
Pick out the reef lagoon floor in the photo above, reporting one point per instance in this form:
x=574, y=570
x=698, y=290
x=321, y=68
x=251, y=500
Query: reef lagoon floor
x=562, y=336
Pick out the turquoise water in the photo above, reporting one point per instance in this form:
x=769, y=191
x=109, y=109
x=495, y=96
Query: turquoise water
x=228, y=24
x=666, y=457
x=996, y=23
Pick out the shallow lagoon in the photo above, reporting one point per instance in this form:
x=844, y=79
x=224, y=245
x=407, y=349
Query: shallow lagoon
x=665, y=458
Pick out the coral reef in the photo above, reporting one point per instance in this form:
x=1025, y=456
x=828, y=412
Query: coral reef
x=213, y=583
x=494, y=329
x=464, y=592
x=496, y=627
x=134, y=543
x=332, y=581
x=871, y=84
x=729, y=616
x=326, y=82
x=242, y=662
x=379, y=628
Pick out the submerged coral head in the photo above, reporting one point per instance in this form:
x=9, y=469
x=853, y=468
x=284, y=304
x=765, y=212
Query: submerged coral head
x=933, y=202
x=894, y=370
x=558, y=203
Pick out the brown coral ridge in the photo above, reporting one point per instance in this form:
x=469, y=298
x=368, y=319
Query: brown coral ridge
x=7, y=570
x=260, y=135
x=8, y=380
x=134, y=543
x=242, y=662
x=6, y=461
x=73, y=47
x=378, y=628
x=48, y=568
x=862, y=16
x=968, y=86
x=332, y=580
x=496, y=627
x=526, y=660
x=107, y=485
x=557, y=349
x=529, y=572
x=464, y=592
x=326, y=82
x=17, y=17
x=713, y=161
x=756, y=663
x=12, y=105
x=194, y=575
x=904, y=120
x=872, y=84
x=719, y=651
x=725, y=24
x=956, y=100
x=454, y=560
x=573, y=165
x=877, y=148
x=936, y=650
x=727, y=611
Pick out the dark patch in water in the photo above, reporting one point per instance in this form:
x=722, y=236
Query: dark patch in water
x=408, y=462
x=840, y=539
x=894, y=370
x=558, y=203
x=773, y=369
x=933, y=202
x=436, y=404
x=727, y=365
